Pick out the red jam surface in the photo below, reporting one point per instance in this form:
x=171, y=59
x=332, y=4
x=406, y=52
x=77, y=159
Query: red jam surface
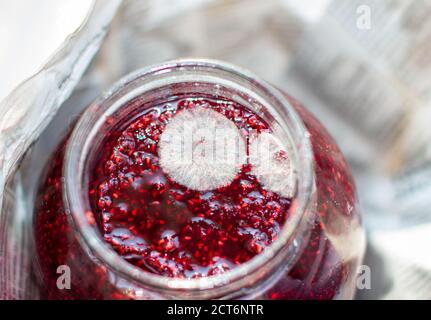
x=165, y=228
x=162, y=226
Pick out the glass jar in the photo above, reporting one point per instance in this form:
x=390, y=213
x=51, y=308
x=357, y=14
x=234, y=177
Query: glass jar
x=315, y=255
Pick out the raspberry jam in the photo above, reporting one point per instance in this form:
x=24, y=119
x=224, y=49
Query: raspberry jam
x=164, y=227
x=132, y=217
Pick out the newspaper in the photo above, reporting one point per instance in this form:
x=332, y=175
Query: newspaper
x=370, y=83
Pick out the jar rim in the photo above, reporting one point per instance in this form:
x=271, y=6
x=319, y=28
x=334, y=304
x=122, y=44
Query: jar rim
x=78, y=206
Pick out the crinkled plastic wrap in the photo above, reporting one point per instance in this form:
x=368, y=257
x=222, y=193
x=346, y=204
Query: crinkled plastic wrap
x=25, y=114
x=372, y=100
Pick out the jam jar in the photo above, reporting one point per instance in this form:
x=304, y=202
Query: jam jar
x=195, y=179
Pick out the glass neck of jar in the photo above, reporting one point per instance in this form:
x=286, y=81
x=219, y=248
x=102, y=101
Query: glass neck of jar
x=191, y=77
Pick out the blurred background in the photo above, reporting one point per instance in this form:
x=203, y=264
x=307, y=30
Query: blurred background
x=363, y=67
